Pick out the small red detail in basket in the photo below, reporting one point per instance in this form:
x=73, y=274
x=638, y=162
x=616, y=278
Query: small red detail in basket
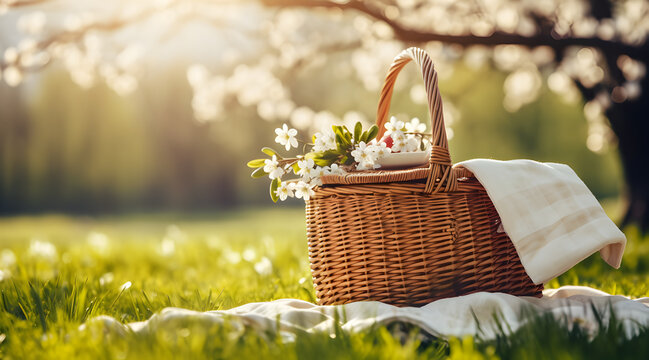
x=387, y=139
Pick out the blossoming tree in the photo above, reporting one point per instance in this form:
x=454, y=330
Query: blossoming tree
x=589, y=50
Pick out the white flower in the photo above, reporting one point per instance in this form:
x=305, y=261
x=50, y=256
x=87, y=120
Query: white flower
x=394, y=125
x=306, y=168
x=286, y=136
x=321, y=171
x=317, y=173
x=380, y=149
x=412, y=144
x=324, y=141
x=426, y=143
x=408, y=143
x=125, y=286
x=249, y=254
x=4, y=275
x=167, y=247
x=285, y=190
x=106, y=279
x=303, y=190
x=397, y=135
x=174, y=233
x=272, y=168
x=364, y=154
x=232, y=257
x=7, y=258
x=415, y=126
x=98, y=241
x=365, y=165
x=42, y=249
x=334, y=169
x=400, y=144
x=264, y=267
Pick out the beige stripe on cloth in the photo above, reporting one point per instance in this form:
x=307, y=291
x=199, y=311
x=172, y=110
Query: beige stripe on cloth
x=550, y=215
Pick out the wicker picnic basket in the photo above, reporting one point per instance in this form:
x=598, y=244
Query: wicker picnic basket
x=409, y=237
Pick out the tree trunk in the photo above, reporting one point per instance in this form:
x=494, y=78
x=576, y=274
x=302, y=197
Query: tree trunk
x=630, y=123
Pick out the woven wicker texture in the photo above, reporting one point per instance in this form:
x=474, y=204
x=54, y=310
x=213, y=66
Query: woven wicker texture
x=409, y=237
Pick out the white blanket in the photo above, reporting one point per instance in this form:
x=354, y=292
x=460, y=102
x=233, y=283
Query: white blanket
x=444, y=318
x=550, y=215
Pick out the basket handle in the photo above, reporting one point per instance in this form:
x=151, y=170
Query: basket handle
x=441, y=176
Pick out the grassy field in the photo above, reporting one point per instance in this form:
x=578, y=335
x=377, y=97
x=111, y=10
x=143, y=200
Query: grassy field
x=56, y=272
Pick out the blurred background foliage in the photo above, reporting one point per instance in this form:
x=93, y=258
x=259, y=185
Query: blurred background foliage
x=63, y=148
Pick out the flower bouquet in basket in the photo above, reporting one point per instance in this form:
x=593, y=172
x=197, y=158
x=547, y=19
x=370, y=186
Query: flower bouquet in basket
x=394, y=221
x=339, y=150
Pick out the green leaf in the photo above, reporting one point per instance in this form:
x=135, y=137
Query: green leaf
x=347, y=134
x=363, y=137
x=341, y=148
x=273, y=188
x=295, y=167
x=372, y=132
x=338, y=130
x=323, y=158
x=253, y=164
x=324, y=162
x=358, y=128
x=270, y=152
x=339, y=141
x=259, y=173
x=327, y=154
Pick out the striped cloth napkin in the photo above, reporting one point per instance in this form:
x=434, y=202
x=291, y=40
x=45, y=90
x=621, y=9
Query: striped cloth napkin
x=549, y=214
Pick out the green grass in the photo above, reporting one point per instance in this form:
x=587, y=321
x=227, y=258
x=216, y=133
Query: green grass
x=219, y=261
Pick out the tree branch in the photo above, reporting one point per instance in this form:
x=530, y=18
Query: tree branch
x=27, y=3
x=497, y=38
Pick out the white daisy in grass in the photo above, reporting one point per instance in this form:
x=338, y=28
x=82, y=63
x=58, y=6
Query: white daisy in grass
x=42, y=249
x=264, y=266
x=249, y=254
x=233, y=257
x=125, y=286
x=98, y=241
x=167, y=247
x=106, y=279
x=286, y=137
x=4, y=275
x=7, y=258
x=272, y=168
